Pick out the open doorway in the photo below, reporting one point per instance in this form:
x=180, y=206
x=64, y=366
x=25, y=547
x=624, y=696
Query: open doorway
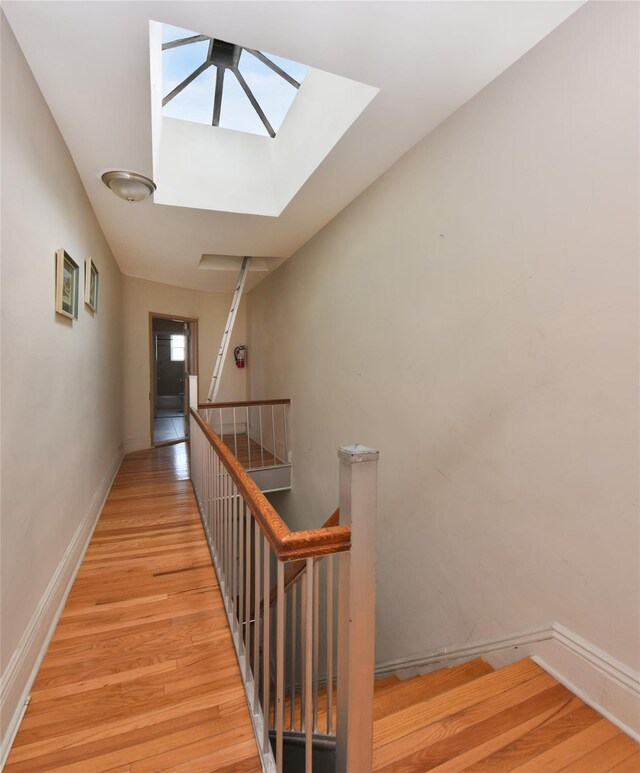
x=173, y=356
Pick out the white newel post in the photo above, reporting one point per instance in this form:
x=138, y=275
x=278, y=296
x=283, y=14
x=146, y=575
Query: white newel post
x=193, y=392
x=356, y=610
x=193, y=403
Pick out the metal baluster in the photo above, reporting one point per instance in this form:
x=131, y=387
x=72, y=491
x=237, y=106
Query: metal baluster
x=248, y=438
x=229, y=536
x=211, y=494
x=241, y=521
x=220, y=551
x=292, y=657
x=235, y=434
x=266, y=670
x=194, y=463
x=261, y=438
x=220, y=427
x=329, y=566
x=284, y=422
x=256, y=620
x=215, y=489
x=208, y=482
x=201, y=483
x=273, y=435
x=316, y=635
x=280, y=620
x=210, y=499
x=229, y=505
x=223, y=525
x=225, y=486
x=203, y=492
x=219, y=482
x=223, y=531
x=247, y=592
x=219, y=501
x=212, y=505
x=303, y=649
x=234, y=557
x=228, y=511
x=308, y=665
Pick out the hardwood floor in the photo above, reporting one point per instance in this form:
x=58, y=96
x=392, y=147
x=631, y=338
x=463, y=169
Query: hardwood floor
x=141, y=674
x=249, y=453
x=474, y=719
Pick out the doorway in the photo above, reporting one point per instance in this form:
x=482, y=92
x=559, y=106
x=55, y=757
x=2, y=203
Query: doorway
x=173, y=358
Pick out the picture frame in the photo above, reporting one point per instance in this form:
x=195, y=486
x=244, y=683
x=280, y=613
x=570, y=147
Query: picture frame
x=91, y=284
x=67, y=282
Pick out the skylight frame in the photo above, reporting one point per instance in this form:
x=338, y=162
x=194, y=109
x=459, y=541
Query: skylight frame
x=226, y=56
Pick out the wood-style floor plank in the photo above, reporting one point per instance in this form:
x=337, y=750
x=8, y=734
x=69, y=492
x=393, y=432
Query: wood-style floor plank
x=473, y=758
x=141, y=672
x=630, y=765
x=578, y=746
x=249, y=453
x=412, y=719
x=421, y=688
x=561, y=725
x=516, y=719
x=605, y=757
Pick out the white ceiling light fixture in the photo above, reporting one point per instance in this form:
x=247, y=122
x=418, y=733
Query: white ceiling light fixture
x=129, y=185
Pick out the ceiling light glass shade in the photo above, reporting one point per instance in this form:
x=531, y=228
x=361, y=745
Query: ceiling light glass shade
x=129, y=185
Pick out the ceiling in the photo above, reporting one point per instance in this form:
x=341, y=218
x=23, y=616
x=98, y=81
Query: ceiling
x=427, y=58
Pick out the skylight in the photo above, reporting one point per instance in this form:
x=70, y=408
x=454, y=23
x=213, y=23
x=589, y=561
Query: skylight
x=258, y=165
x=208, y=80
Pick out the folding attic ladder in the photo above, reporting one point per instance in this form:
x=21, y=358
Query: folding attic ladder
x=228, y=329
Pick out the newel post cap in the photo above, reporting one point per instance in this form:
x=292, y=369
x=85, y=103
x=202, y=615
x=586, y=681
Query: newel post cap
x=358, y=453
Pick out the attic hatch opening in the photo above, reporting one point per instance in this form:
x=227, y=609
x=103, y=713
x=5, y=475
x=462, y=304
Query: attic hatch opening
x=225, y=84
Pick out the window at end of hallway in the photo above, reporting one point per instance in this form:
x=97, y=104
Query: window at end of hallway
x=177, y=348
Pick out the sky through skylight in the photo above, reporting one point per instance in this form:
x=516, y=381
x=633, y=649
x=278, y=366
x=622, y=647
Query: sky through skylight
x=195, y=102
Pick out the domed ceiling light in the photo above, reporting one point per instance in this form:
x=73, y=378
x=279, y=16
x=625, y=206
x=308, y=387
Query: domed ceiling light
x=129, y=185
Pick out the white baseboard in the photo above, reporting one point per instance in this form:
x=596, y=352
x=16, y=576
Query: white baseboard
x=449, y=656
x=606, y=684
x=601, y=681
x=21, y=671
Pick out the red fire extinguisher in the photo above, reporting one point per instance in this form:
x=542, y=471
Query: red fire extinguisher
x=240, y=354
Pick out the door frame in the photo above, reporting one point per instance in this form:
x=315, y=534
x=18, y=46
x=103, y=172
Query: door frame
x=193, y=366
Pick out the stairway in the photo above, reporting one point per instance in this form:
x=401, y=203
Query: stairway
x=473, y=718
x=470, y=717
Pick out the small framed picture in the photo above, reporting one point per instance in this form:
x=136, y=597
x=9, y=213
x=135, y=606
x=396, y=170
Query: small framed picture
x=67, y=281
x=91, y=284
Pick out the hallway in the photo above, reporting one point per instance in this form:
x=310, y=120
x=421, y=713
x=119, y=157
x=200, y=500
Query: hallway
x=141, y=673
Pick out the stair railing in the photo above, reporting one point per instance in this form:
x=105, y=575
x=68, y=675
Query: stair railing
x=256, y=431
x=285, y=643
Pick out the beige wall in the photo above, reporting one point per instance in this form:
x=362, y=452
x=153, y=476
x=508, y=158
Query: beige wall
x=61, y=381
x=474, y=315
x=210, y=309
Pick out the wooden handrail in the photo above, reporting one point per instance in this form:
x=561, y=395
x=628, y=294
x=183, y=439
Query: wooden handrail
x=296, y=568
x=286, y=544
x=243, y=404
